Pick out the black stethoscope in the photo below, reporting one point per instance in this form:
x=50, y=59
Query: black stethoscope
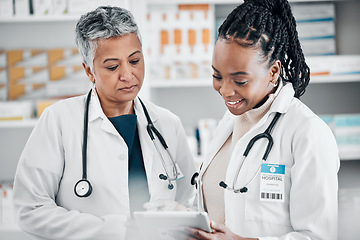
x=83, y=187
x=267, y=135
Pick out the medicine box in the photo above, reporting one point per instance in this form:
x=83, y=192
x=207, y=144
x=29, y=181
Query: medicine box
x=16, y=110
x=27, y=82
x=181, y=41
x=27, y=57
x=316, y=27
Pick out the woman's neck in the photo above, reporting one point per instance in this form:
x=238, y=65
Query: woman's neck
x=113, y=109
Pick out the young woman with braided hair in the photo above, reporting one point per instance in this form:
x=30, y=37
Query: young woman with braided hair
x=260, y=72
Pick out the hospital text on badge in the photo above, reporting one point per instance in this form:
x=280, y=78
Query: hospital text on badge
x=272, y=182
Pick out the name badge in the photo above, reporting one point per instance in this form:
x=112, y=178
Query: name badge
x=272, y=182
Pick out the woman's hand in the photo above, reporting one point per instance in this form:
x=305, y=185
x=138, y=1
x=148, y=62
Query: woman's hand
x=220, y=232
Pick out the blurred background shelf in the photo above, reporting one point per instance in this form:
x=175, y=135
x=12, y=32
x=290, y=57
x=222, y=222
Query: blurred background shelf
x=191, y=99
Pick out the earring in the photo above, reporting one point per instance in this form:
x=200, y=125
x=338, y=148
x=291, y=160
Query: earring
x=274, y=83
x=93, y=92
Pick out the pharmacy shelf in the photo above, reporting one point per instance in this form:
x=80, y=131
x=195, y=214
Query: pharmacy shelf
x=179, y=83
x=29, y=123
x=237, y=2
x=32, y=19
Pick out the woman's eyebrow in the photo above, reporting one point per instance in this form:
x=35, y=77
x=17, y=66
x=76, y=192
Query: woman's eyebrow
x=110, y=59
x=116, y=59
x=233, y=74
x=239, y=73
x=134, y=53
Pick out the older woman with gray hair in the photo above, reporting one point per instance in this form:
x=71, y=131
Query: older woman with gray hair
x=92, y=160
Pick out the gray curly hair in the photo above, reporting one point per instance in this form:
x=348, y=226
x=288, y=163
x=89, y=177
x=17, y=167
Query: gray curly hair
x=102, y=23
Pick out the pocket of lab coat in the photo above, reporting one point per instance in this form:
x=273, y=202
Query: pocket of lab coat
x=267, y=212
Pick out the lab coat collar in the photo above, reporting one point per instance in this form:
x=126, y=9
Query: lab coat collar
x=95, y=112
x=281, y=104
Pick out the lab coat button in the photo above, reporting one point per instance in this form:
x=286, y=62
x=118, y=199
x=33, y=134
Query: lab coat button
x=122, y=157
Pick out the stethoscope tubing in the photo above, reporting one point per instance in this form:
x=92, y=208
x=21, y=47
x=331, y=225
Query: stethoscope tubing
x=196, y=179
x=86, y=123
x=151, y=131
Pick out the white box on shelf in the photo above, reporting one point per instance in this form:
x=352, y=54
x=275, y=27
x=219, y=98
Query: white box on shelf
x=16, y=110
x=319, y=46
x=316, y=27
x=334, y=66
x=78, y=7
x=316, y=30
x=42, y=7
x=6, y=8
x=22, y=8
x=347, y=133
x=60, y=7
x=310, y=11
x=7, y=206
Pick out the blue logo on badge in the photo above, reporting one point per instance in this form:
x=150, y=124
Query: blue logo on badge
x=272, y=168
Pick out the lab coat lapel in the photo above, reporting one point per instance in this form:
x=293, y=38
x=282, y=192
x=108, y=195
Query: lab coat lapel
x=95, y=112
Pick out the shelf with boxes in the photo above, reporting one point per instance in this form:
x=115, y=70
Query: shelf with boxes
x=322, y=27
x=49, y=10
x=180, y=52
x=32, y=78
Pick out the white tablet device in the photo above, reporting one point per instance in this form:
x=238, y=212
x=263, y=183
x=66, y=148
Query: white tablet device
x=163, y=225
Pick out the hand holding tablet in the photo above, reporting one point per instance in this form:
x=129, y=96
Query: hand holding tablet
x=170, y=225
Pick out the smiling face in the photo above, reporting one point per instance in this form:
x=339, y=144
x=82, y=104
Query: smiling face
x=241, y=76
x=118, y=72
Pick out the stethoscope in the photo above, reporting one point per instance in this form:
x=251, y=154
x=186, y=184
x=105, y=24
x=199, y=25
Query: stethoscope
x=83, y=187
x=267, y=134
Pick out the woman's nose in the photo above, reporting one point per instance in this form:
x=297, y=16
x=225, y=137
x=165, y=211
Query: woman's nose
x=125, y=73
x=226, y=89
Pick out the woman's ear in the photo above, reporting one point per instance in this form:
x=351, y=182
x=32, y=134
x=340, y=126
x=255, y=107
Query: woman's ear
x=89, y=73
x=275, y=70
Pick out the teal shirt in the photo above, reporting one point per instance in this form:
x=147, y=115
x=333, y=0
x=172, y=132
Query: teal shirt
x=126, y=125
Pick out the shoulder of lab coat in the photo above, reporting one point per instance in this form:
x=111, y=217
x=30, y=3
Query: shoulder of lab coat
x=314, y=165
x=37, y=182
x=41, y=167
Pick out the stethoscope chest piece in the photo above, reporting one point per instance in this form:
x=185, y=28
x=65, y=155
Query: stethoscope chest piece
x=83, y=188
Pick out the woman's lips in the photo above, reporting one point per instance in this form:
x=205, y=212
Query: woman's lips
x=128, y=89
x=235, y=104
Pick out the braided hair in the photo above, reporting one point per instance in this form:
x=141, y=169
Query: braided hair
x=270, y=25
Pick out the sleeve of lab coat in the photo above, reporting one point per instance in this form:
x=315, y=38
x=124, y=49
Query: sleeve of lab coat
x=186, y=192
x=313, y=193
x=36, y=184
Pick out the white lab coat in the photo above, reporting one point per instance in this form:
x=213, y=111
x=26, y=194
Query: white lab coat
x=51, y=164
x=307, y=148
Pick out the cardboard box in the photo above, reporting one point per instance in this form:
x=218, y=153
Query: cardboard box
x=27, y=82
x=64, y=56
x=16, y=110
x=27, y=57
x=42, y=104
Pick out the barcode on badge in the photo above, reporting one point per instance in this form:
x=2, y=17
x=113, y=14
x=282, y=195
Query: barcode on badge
x=272, y=196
